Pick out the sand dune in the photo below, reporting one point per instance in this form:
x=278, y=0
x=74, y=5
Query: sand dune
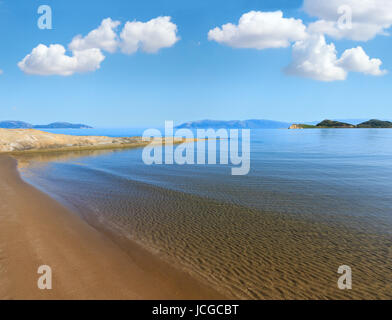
x=12, y=140
x=30, y=140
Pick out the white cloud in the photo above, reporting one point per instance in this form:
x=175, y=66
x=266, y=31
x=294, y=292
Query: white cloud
x=357, y=60
x=53, y=60
x=148, y=36
x=260, y=30
x=104, y=38
x=1, y=71
x=314, y=58
x=369, y=18
x=86, y=51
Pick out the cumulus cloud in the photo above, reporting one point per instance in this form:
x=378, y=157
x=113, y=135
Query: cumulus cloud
x=150, y=36
x=314, y=58
x=86, y=54
x=260, y=30
x=369, y=18
x=357, y=60
x=104, y=37
x=53, y=60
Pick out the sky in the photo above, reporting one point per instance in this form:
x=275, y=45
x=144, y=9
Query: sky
x=138, y=63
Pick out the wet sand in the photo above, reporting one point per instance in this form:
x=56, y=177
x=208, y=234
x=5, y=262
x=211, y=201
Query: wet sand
x=35, y=230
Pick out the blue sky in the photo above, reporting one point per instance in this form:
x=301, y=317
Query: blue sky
x=195, y=78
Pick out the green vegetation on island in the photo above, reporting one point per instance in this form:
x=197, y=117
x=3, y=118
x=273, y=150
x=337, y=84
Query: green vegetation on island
x=334, y=124
x=375, y=124
x=330, y=124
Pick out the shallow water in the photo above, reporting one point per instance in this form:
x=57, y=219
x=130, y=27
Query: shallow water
x=313, y=200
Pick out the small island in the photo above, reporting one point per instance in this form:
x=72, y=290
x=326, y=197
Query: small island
x=330, y=124
x=375, y=124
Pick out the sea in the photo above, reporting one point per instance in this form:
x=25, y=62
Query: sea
x=313, y=200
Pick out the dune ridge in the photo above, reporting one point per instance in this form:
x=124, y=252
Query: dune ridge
x=31, y=140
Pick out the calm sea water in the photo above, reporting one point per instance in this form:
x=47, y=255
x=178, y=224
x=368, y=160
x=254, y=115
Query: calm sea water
x=313, y=200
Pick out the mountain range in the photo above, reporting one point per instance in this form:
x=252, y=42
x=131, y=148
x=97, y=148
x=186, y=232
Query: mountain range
x=55, y=125
x=270, y=124
x=234, y=124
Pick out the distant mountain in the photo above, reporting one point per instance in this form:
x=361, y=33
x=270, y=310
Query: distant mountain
x=62, y=125
x=15, y=125
x=55, y=125
x=234, y=124
x=375, y=124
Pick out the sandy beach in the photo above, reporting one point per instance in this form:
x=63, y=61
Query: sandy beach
x=35, y=230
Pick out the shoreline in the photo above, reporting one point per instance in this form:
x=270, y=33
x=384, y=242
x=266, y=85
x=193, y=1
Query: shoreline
x=36, y=230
